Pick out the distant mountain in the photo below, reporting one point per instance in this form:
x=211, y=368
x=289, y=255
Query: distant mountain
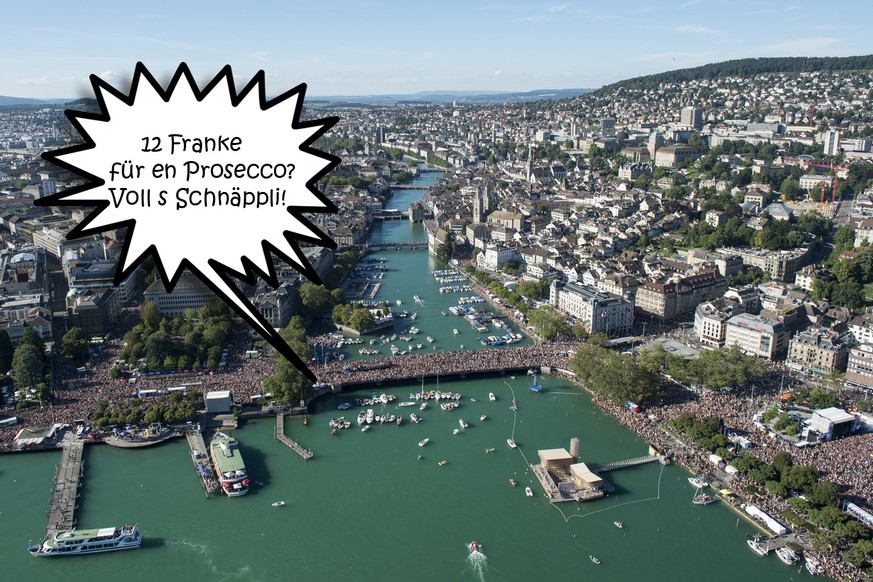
x=746, y=68
x=4, y=100
x=466, y=97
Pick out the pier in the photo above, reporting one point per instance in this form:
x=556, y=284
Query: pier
x=201, y=460
x=627, y=463
x=65, y=495
x=291, y=444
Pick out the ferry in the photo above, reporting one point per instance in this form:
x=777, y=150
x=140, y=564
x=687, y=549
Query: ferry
x=89, y=541
x=229, y=465
x=511, y=443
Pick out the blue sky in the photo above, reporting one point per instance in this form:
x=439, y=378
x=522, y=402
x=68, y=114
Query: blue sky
x=373, y=47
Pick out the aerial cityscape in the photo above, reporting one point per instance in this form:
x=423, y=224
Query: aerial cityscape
x=617, y=326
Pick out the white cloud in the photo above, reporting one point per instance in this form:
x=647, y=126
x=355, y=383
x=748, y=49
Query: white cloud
x=32, y=82
x=804, y=46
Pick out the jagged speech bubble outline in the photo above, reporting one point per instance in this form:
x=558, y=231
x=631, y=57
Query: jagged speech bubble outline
x=219, y=208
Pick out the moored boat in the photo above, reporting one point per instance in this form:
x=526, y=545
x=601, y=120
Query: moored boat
x=511, y=443
x=229, y=465
x=483, y=417
x=813, y=566
x=423, y=442
x=788, y=556
x=89, y=541
x=698, y=481
x=528, y=491
x=703, y=499
x=463, y=423
x=513, y=482
x=491, y=396
x=618, y=524
x=757, y=547
x=137, y=438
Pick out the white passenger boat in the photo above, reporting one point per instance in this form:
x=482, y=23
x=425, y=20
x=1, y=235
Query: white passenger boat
x=76, y=542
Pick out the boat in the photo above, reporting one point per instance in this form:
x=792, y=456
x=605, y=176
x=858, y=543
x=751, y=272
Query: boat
x=362, y=417
x=399, y=302
x=535, y=385
x=813, y=566
x=423, y=406
x=491, y=450
x=491, y=396
x=483, y=417
x=442, y=463
x=416, y=298
x=511, y=443
x=513, y=482
x=757, y=547
x=370, y=416
x=344, y=406
x=278, y=504
x=702, y=499
x=456, y=431
x=138, y=438
x=788, y=556
x=89, y=541
x=455, y=331
x=414, y=418
x=463, y=423
x=229, y=465
x=365, y=428
x=594, y=559
x=618, y=524
x=473, y=546
x=528, y=491
x=698, y=482
x=423, y=442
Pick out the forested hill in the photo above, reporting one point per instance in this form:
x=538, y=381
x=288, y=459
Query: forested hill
x=746, y=68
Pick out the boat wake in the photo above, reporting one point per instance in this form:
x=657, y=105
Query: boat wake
x=479, y=564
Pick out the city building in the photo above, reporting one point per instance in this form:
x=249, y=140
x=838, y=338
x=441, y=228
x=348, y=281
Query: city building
x=817, y=351
x=859, y=366
x=691, y=117
x=597, y=311
x=678, y=296
x=95, y=311
x=756, y=335
x=672, y=156
x=710, y=321
x=189, y=293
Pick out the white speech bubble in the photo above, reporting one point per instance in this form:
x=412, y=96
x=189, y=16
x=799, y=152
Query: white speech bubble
x=212, y=180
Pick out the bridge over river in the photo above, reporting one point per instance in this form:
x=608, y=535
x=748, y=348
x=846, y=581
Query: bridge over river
x=414, y=367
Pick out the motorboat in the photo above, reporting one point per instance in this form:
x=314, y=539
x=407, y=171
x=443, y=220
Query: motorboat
x=513, y=482
x=414, y=418
x=491, y=396
x=698, y=482
x=365, y=428
x=463, y=423
x=511, y=443
x=407, y=403
x=423, y=406
x=456, y=431
x=423, y=442
x=528, y=491
x=788, y=556
x=618, y=524
x=344, y=406
x=455, y=331
x=370, y=416
x=813, y=566
x=483, y=417
x=442, y=463
x=278, y=504
x=594, y=559
x=702, y=499
x=473, y=546
x=362, y=417
x=490, y=450
x=757, y=547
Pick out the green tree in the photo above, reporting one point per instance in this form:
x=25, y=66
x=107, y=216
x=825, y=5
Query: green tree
x=30, y=337
x=315, y=298
x=75, y=344
x=547, y=322
x=361, y=319
x=287, y=383
x=790, y=188
x=444, y=250
x=150, y=315
x=28, y=365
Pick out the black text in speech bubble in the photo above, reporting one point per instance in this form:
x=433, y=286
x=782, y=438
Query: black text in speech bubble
x=213, y=180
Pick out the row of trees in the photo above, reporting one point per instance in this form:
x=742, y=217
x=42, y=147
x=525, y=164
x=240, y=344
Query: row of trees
x=355, y=316
x=287, y=383
x=722, y=369
x=849, y=276
x=176, y=408
x=614, y=376
x=194, y=340
x=776, y=235
x=30, y=367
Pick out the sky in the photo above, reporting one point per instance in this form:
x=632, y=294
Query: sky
x=378, y=47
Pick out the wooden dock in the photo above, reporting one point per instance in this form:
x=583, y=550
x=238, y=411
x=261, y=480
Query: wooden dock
x=202, y=462
x=65, y=493
x=291, y=444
